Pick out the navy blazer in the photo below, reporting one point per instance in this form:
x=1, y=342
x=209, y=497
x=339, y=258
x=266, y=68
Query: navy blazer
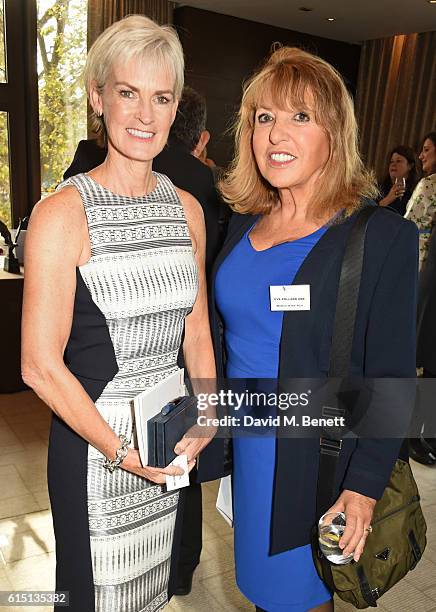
x=383, y=346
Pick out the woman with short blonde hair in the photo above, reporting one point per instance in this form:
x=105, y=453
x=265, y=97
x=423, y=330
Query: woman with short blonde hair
x=114, y=289
x=134, y=37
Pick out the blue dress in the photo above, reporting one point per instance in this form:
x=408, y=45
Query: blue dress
x=285, y=582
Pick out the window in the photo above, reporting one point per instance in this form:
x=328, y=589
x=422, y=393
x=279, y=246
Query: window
x=5, y=192
x=42, y=45
x=19, y=168
x=62, y=30
x=3, y=73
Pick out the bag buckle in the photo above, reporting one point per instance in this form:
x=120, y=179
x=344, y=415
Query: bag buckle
x=332, y=411
x=329, y=446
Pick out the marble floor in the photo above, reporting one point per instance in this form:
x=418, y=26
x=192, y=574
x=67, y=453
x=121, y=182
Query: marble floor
x=27, y=558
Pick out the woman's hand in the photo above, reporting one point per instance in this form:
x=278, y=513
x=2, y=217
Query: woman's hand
x=396, y=191
x=358, y=510
x=132, y=463
x=194, y=441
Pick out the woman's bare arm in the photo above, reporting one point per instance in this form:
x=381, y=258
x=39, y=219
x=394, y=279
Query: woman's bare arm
x=197, y=345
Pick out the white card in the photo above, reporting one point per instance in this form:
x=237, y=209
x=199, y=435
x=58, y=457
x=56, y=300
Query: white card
x=177, y=482
x=224, y=500
x=289, y=297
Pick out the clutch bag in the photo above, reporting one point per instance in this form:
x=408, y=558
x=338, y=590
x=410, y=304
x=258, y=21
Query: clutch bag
x=166, y=429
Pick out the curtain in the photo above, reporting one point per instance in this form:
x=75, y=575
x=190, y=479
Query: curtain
x=395, y=102
x=103, y=13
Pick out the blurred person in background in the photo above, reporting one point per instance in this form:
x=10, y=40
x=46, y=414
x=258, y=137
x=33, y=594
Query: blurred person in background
x=423, y=210
x=395, y=193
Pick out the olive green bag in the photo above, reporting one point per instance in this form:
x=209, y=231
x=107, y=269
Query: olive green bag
x=398, y=536
x=393, y=548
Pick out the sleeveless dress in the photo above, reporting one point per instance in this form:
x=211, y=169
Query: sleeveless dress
x=142, y=277
x=288, y=581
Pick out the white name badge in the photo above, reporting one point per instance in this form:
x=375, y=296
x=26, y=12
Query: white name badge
x=290, y=297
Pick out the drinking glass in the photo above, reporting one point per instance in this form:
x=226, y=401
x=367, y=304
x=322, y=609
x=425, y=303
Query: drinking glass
x=331, y=526
x=400, y=182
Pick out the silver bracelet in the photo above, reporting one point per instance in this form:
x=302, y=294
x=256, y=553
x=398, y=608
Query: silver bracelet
x=120, y=455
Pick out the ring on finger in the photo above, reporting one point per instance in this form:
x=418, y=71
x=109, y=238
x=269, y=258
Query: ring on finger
x=368, y=529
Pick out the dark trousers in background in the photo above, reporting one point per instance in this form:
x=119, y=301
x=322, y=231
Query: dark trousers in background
x=430, y=419
x=425, y=412
x=191, y=540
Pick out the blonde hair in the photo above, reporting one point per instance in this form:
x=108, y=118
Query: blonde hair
x=134, y=36
x=293, y=79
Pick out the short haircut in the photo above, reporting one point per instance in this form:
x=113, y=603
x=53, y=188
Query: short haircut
x=295, y=79
x=135, y=36
x=190, y=119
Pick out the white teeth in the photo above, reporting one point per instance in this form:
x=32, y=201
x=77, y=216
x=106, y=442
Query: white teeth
x=281, y=157
x=140, y=134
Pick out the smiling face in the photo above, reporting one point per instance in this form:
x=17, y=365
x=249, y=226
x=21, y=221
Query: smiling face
x=138, y=105
x=428, y=156
x=399, y=167
x=291, y=150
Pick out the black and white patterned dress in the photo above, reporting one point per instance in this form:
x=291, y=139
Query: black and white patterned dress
x=142, y=277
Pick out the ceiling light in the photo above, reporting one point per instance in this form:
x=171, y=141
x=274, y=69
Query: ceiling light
x=432, y=1
x=331, y=18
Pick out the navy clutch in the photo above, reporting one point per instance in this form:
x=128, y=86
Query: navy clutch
x=167, y=428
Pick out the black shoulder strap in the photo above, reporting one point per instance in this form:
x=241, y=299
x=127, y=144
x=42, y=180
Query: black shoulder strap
x=348, y=295
x=342, y=341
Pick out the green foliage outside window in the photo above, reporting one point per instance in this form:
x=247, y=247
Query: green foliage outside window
x=5, y=207
x=61, y=32
x=2, y=44
x=62, y=98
